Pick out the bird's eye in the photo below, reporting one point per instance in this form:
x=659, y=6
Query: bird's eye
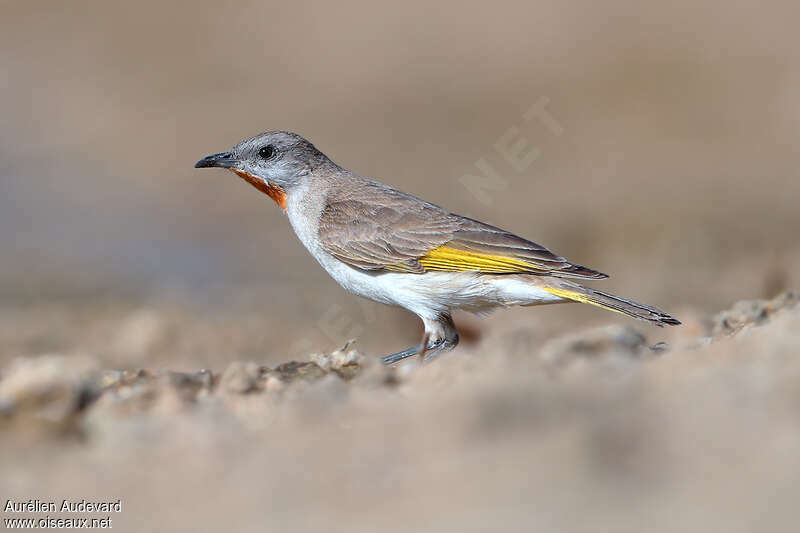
x=267, y=152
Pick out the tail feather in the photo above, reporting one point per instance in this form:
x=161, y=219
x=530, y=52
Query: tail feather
x=604, y=300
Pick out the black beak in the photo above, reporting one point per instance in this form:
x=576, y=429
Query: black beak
x=223, y=160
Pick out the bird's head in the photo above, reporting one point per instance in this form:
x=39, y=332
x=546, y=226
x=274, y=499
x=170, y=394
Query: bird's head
x=275, y=162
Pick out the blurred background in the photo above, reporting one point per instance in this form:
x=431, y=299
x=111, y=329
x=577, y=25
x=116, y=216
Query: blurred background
x=668, y=160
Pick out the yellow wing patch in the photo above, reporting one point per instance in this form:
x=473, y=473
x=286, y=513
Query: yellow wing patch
x=447, y=259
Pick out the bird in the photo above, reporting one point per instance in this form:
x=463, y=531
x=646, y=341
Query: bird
x=394, y=248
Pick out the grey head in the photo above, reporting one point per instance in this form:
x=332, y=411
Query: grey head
x=279, y=158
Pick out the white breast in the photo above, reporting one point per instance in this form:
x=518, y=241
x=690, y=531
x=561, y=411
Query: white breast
x=304, y=213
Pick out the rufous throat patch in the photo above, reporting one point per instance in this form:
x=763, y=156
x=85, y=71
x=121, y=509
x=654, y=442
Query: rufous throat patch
x=273, y=191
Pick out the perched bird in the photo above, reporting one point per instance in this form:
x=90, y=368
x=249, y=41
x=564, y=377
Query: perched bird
x=394, y=248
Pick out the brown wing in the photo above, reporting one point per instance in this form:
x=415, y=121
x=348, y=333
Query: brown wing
x=384, y=229
x=378, y=228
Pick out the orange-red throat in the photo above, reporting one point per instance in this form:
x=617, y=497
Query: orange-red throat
x=273, y=191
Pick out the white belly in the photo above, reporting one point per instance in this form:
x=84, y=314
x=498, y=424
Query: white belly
x=432, y=293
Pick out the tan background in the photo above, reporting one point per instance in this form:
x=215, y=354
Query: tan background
x=676, y=172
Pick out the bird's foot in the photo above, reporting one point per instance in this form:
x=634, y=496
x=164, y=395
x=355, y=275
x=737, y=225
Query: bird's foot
x=432, y=350
x=399, y=356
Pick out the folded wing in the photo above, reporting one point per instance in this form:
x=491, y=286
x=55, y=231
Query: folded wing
x=378, y=228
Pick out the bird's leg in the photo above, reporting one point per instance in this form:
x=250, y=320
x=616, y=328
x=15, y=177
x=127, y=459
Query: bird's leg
x=423, y=346
x=444, y=333
x=440, y=335
x=410, y=352
x=399, y=356
x=440, y=346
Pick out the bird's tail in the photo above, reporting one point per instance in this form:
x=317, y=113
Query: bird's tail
x=579, y=293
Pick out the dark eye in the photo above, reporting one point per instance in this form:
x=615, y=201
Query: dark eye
x=267, y=152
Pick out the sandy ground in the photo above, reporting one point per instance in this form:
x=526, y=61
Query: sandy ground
x=597, y=429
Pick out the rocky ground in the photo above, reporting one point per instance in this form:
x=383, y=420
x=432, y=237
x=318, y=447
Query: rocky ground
x=600, y=429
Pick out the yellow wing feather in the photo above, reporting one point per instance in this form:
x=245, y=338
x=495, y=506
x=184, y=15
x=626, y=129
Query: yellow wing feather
x=447, y=259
